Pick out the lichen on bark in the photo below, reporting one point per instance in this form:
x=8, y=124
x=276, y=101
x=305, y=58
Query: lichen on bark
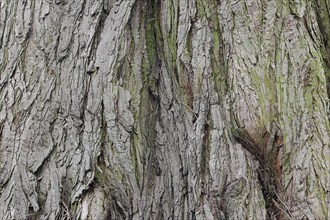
x=183, y=109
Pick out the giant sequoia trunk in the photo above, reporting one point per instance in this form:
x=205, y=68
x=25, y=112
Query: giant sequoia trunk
x=164, y=109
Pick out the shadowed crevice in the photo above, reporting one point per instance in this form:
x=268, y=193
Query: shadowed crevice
x=323, y=19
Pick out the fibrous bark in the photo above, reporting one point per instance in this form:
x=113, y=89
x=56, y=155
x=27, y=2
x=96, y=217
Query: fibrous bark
x=179, y=109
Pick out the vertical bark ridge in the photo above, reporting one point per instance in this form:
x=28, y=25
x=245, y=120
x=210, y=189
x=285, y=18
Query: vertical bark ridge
x=164, y=109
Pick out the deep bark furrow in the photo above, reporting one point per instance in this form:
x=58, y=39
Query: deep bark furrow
x=139, y=109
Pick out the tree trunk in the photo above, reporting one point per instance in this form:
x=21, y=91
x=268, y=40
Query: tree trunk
x=159, y=109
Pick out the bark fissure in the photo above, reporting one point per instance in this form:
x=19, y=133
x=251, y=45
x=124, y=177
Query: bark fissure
x=137, y=109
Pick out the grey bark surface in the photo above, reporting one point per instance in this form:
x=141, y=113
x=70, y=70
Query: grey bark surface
x=181, y=109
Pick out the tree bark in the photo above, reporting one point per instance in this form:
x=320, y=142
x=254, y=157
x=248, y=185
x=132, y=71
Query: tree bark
x=153, y=109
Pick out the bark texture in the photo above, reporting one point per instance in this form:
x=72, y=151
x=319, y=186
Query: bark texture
x=164, y=109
